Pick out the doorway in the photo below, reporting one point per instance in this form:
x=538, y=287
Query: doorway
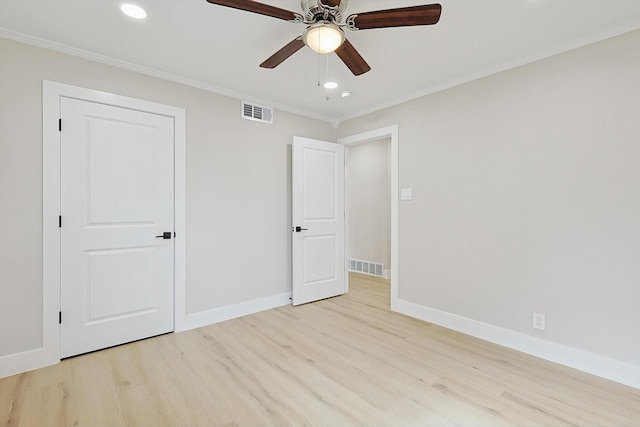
x=391, y=134
x=369, y=210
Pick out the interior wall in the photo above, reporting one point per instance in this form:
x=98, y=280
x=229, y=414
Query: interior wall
x=369, y=192
x=526, y=198
x=238, y=207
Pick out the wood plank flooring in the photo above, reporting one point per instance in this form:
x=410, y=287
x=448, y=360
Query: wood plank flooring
x=345, y=361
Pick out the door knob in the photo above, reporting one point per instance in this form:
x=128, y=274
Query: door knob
x=166, y=235
x=299, y=229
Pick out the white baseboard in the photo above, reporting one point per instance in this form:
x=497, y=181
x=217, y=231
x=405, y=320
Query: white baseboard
x=17, y=363
x=386, y=274
x=216, y=315
x=615, y=370
x=29, y=360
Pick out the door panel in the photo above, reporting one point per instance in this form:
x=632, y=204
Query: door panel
x=113, y=273
x=116, y=197
x=319, y=185
x=319, y=259
x=120, y=154
x=318, y=209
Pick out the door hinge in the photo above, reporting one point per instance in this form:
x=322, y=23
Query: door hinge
x=59, y=221
x=59, y=318
x=60, y=125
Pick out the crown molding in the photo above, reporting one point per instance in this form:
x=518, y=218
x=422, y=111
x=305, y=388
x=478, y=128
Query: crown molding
x=504, y=66
x=152, y=72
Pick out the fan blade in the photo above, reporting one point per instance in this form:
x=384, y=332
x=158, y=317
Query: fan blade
x=427, y=14
x=259, y=8
x=352, y=58
x=277, y=58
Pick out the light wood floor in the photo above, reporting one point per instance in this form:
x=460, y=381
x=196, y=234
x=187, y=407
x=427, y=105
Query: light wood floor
x=346, y=361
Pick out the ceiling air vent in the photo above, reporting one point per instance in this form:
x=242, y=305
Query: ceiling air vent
x=257, y=112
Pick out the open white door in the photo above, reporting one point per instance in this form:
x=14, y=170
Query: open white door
x=318, y=255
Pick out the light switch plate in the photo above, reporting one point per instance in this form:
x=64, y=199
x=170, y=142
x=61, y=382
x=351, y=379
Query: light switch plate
x=405, y=194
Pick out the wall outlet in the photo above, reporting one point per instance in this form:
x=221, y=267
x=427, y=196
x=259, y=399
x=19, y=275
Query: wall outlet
x=538, y=321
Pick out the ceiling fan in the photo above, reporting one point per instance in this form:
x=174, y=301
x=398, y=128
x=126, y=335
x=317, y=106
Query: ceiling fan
x=325, y=23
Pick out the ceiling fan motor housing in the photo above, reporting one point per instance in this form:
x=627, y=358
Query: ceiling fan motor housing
x=316, y=10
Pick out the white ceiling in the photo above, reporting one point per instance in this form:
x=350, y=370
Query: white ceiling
x=218, y=48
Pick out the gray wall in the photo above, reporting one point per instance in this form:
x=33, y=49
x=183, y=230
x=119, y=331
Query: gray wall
x=238, y=240
x=369, y=193
x=526, y=197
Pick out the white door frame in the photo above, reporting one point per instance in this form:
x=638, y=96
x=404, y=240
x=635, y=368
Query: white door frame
x=361, y=138
x=52, y=92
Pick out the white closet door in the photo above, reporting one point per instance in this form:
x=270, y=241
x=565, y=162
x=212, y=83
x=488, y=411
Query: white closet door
x=116, y=197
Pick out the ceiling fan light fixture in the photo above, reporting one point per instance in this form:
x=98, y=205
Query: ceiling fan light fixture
x=323, y=37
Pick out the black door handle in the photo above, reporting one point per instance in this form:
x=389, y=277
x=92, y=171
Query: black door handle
x=299, y=229
x=166, y=235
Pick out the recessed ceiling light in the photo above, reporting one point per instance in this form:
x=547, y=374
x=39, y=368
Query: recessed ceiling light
x=133, y=11
x=330, y=85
